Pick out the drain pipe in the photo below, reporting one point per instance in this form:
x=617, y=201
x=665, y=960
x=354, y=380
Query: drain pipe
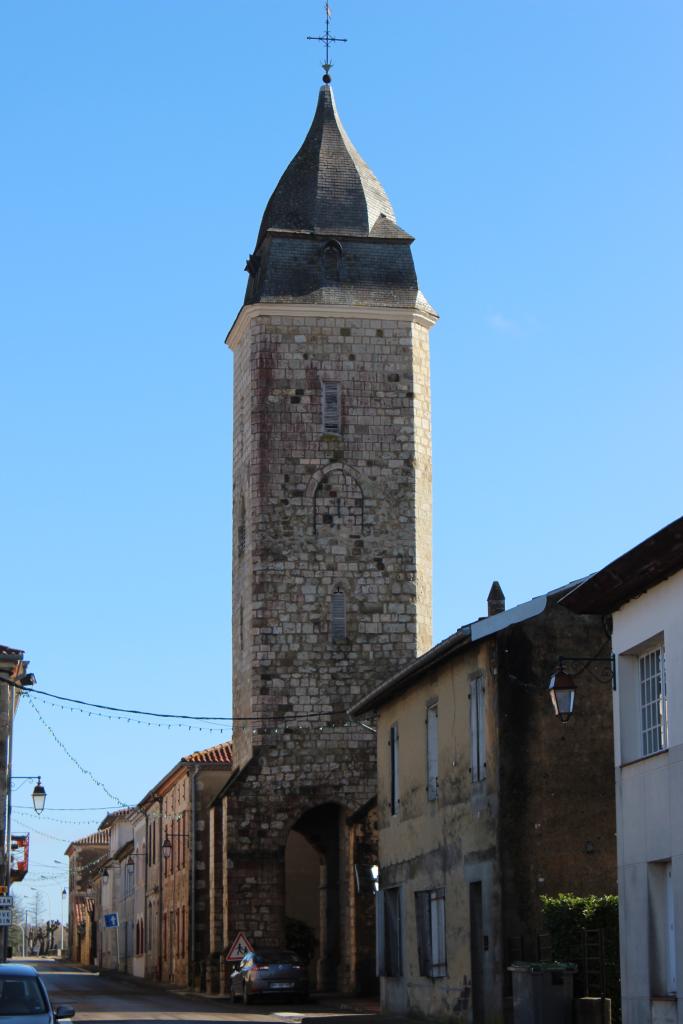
x=193, y=878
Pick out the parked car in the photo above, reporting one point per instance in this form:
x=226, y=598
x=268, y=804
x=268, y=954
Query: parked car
x=269, y=972
x=24, y=998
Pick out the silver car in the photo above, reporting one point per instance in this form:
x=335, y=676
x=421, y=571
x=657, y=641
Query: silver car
x=269, y=972
x=24, y=998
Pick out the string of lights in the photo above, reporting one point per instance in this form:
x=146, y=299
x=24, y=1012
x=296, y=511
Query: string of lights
x=128, y=720
x=47, y=835
x=70, y=821
x=29, y=807
x=86, y=771
x=276, y=714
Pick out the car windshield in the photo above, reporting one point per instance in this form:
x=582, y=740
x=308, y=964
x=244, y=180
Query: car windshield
x=276, y=956
x=20, y=997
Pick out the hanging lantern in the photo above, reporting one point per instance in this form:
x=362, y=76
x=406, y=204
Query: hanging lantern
x=562, y=689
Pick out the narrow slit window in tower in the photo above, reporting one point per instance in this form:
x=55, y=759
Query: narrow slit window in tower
x=331, y=397
x=338, y=615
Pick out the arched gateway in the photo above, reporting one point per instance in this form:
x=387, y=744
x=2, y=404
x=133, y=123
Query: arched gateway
x=331, y=555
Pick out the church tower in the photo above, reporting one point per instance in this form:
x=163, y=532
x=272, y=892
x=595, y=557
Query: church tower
x=331, y=581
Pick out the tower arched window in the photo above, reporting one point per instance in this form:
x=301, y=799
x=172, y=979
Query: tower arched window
x=338, y=615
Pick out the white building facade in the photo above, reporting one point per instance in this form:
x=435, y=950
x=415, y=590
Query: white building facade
x=643, y=591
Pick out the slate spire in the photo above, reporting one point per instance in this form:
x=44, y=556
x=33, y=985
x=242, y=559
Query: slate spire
x=329, y=234
x=327, y=187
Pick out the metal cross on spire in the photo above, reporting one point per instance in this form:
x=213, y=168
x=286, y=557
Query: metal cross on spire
x=327, y=39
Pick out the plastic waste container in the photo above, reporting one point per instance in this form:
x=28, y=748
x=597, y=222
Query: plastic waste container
x=542, y=992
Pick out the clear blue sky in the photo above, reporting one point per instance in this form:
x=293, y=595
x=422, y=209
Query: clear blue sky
x=534, y=150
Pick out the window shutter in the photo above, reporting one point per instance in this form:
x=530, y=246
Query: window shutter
x=437, y=921
x=338, y=616
x=393, y=767
x=331, y=407
x=423, y=933
x=481, y=726
x=477, y=730
x=432, y=751
x=379, y=934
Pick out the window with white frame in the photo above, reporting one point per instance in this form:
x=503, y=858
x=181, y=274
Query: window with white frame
x=430, y=912
x=388, y=933
x=432, y=737
x=331, y=403
x=653, y=705
x=477, y=729
x=394, y=798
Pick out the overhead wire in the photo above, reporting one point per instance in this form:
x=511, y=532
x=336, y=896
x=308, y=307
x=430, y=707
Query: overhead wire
x=277, y=713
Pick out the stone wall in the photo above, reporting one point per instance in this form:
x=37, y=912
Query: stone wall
x=317, y=514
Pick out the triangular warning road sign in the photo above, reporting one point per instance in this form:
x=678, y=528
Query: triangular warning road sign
x=240, y=947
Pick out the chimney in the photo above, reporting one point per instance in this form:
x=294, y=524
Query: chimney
x=496, y=599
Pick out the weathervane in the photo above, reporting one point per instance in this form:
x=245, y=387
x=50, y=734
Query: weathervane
x=327, y=39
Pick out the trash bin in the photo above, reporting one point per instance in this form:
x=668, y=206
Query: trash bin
x=542, y=992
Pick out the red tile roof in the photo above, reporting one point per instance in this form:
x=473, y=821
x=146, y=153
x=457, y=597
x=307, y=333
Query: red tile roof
x=220, y=754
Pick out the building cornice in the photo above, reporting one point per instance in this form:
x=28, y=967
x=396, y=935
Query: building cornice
x=299, y=310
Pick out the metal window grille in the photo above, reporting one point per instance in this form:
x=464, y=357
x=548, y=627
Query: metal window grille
x=653, y=704
x=432, y=722
x=338, y=615
x=477, y=730
x=331, y=396
x=393, y=768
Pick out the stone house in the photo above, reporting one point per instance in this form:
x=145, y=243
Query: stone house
x=86, y=858
x=331, y=550
x=643, y=592
x=485, y=802
x=176, y=811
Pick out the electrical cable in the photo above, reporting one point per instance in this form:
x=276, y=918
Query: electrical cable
x=30, y=691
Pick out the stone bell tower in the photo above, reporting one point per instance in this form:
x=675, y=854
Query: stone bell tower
x=331, y=581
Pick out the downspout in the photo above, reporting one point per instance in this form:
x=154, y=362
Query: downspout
x=160, y=857
x=193, y=880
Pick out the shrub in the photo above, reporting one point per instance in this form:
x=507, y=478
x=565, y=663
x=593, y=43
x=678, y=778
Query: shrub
x=568, y=918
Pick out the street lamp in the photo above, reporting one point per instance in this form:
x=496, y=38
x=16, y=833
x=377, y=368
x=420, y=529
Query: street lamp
x=105, y=876
x=38, y=795
x=562, y=686
x=167, y=846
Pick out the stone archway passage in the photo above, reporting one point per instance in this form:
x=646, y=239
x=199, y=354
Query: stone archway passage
x=312, y=858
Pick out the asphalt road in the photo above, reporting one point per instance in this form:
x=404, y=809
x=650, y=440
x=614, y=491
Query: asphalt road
x=101, y=998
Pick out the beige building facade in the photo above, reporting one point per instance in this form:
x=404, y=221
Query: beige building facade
x=476, y=819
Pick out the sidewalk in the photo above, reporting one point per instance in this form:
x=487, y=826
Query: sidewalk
x=324, y=1007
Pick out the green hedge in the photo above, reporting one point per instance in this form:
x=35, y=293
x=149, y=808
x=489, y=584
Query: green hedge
x=567, y=917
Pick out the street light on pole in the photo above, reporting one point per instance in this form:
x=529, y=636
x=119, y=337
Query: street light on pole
x=62, y=921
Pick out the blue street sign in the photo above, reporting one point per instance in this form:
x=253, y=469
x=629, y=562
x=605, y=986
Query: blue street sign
x=111, y=920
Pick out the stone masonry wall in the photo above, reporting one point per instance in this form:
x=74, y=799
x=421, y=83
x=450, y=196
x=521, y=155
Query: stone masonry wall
x=317, y=513
x=287, y=560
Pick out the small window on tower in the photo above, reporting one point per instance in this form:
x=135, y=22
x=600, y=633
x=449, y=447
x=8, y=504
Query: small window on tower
x=338, y=615
x=331, y=401
x=242, y=530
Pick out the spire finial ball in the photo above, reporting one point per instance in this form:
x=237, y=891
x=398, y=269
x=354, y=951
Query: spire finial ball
x=327, y=79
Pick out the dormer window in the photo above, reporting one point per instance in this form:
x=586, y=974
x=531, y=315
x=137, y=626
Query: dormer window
x=331, y=403
x=332, y=257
